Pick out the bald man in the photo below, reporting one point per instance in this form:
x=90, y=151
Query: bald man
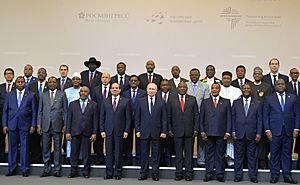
x=149, y=76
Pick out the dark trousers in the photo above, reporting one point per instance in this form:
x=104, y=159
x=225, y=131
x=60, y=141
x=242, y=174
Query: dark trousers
x=47, y=145
x=114, y=146
x=215, y=148
x=98, y=148
x=2, y=145
x=80, y=143
x=35, y=148
x=155, y=155
x=281, y=155
x=241, y=148
x=263, y=148
x=183, y=144
x=14, y=138
x=167, y=149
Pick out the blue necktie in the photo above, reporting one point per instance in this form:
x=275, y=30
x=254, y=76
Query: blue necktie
x=27, y=83
x=194, y=88
x=133, y=96
x=281, y=102
x=83, y=106
x=19, y=98
x=40, y=90
x=246, y=107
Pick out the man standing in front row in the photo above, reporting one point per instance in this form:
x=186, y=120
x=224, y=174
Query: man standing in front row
x=51, y=122
x=183, y=120
x=246, y=133
x=281, y=123
x=18, y=120
x=215, y=128
x=81, y=129
x=150, y=125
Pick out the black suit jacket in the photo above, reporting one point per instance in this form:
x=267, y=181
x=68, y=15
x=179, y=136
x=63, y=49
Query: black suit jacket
x=215, y=121
x=156, y=78
x=126, y=86
x=68, y=83
x=97, y=96
x=236, y=83
x=86, y=79
x=172, y=84
x=85, y=123
x=290, y=88
x=2, y=97
x=33, y=87
x=183, y=124
x=267, y=78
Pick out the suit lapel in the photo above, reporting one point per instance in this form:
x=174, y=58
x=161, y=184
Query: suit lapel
x=277, y=101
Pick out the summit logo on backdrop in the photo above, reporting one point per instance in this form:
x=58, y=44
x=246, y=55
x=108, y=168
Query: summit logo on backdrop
x=167, y=18
x=232, y=16
x=102, y=17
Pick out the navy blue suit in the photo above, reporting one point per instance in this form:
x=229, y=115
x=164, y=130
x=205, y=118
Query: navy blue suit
x=81, y=125
x=150, y=127
x=114, y=124
x=281, y=124
x=129, y=140
x=19, y=120
x=215, y=122
x=125, y=86
x=246, y=127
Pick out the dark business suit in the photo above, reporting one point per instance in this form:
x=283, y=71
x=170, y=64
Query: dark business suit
x=236, y=82
x=114, y=124
x=3, y=93
x=156, y=78
x=85, y=77
x=172, y=83
x=98, y=97
x=32, y=80
x=52, y=118
x=281, y=124
x=35, y=140
x=68, y=83
x=269, y=79
x=125, y=86
x=19, y=120
x=129, y=140
x=81, y=125
x=215, y=122
x=150, y=127
x=183, y=125
x=246, y=128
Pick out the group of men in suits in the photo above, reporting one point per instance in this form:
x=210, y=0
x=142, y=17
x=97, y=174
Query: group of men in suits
x=163, y=112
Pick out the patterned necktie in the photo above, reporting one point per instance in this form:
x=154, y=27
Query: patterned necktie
x=182, y=103
x=295, y=88
x=52, y=97
x=215, y=103
x=274, y=80
x=105, y=92
x=281, y=102
x=19, y=98
x=121, y=81
x=115, y=104
x=83, y=106
x=91, y=78
x=62, y=84
x=149, y=78
x=151, y=105
x=241, y=83
x=40, y=90
x=246, y=108
x=8, y=88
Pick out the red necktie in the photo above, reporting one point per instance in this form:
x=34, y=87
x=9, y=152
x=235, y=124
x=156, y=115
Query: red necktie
x=91, y=79
x=182, y=103
x=215, y=102
x=8, y=88
x=149, y=79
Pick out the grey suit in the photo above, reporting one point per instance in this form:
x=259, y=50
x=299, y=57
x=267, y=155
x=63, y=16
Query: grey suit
x=202, y=93
x=52, y=118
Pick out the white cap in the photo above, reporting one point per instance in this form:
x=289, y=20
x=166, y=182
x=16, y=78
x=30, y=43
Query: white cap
x=76, y=74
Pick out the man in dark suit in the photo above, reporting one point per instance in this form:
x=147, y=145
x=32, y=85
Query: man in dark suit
x=35, y=139
x=121, y=78
x=51, y=122
x=167, y=145
x=5, y=88
x=149, y=76
x=183, y=120
x=176, y=78
x=114, y=126
x=215, y=128
x=293, y=87
x=134, y=94
x=246, y=132
x=210, y=76
x=19, y=119
x=91, y=77
x=274, y=75
x=240, y=71
x=81, y=130
x=29, y=79
x=64, y=81
x=281, y=123
x=150, y=125
x=99, y=94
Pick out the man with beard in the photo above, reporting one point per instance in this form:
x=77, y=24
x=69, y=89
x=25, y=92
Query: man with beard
x=149, y=76
x=91, y=77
